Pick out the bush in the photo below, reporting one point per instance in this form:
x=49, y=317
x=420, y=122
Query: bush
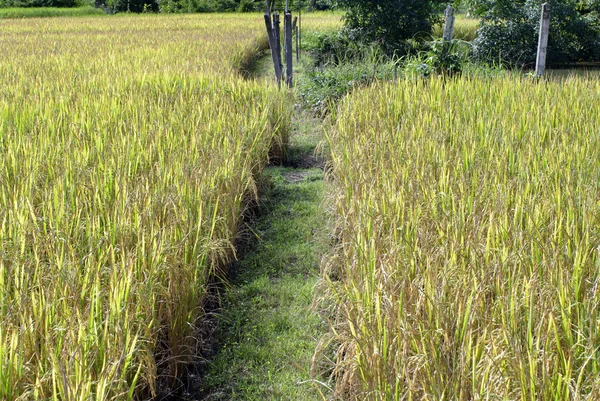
x=41, y=3
x=48, y=12
x=510, y=29
x=390, y=22
x=337, y=67
x=320, y=90
x=447, y=58
x=334, y=48
x=246, y=6
x=134, y=6
x=174, y=6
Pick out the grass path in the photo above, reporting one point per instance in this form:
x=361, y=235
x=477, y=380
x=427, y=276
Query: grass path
x=267, y=331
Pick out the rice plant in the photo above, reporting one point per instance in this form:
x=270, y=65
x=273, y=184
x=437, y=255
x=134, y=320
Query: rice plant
x=469, y=258
x=128, y=150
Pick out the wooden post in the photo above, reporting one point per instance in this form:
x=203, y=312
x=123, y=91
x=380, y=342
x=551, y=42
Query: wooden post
x=295, y=28
x=289, y=51
x=299, y=31
x=285, y=29
x=540, y=62
x=449, y=26
x=448, y=30
x=272, y=44
x=277, y=35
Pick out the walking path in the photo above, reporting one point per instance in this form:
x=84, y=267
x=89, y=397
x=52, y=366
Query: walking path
x=267, y=332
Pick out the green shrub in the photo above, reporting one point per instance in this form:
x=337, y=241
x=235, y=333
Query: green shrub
x=333, y=48
x=134, y=6
x=41, y=12
x=322, y=87
x=390, y=22
x=247, y=6
x=447, y=58
x=175, y=6
x=510, y=29
x=41, y=3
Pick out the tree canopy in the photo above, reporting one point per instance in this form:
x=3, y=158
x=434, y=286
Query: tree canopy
x=509, y=31
x=389, y=22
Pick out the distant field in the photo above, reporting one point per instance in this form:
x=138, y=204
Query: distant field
x=464, y=28
x=469, y=259
x=128, y=148
x=321, y=21
x=38, y=12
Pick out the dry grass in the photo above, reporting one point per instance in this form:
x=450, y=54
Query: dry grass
x=128, y=147
x=469, y=262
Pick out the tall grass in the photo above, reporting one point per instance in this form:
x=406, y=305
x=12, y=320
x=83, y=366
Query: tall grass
x=469, y=257
x=128, y=148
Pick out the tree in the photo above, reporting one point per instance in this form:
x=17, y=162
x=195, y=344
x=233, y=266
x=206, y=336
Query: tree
x=509, y=31
x=41, y=3
x=390, y=22
x=134, y=6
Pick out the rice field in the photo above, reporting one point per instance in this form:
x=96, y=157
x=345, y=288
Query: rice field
x=321, y=21
x=468, y=265
x=464, y=28
x=129, y=147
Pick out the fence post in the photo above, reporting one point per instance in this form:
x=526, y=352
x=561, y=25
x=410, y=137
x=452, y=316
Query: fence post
x=289, y=50
x=277, y=35
x=299, y=31
x=449, y=26
x=273, y=44
x=295, y=29
x=540, y=62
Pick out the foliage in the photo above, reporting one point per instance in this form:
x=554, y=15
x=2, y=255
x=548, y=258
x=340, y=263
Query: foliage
x=38, y=12
x=174, y=6
x=168, y=6
x=509, y=31
x=134, y=6
x=338, y=67
x=186, y=6
x=320, y=90
x=447, y=58
x=42, y=3
x=390, y=23
x=334, y=48
x=467, y=265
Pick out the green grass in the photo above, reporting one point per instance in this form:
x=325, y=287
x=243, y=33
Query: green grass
x=40, y=12
x=268, y=330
